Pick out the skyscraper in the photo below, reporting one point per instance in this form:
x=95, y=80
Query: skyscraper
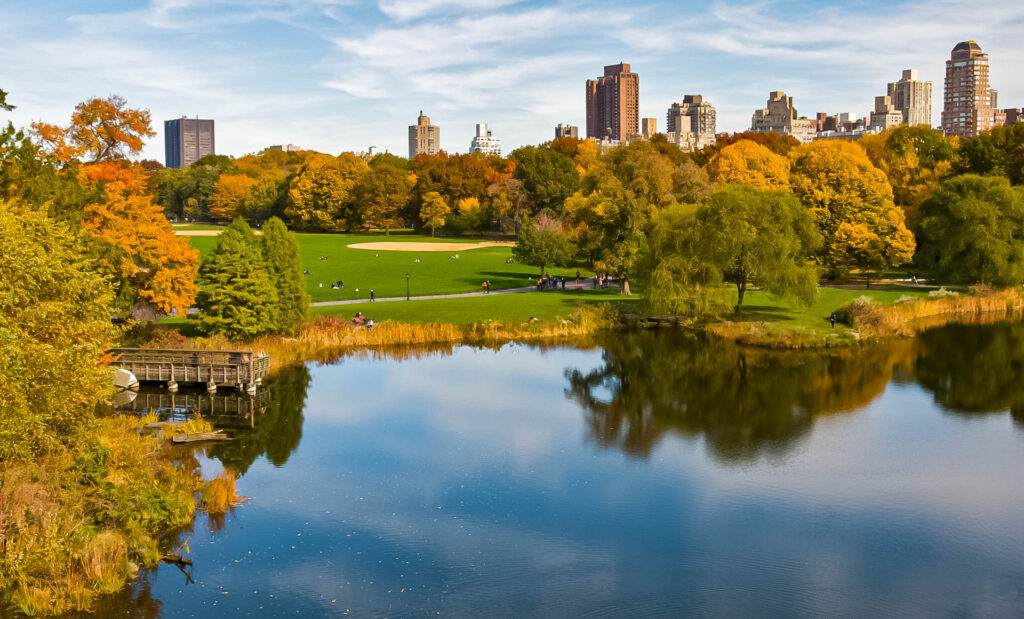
x=186, y=140
x=613, y=104
x=424, y=138
x=912, y=97
x=484, y=143
x=967, y=107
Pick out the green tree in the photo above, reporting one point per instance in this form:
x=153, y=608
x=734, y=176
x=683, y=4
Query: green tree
x=850, y=198
x=434, y=210
x=4, y=105
x=762, y=238
x=54, y=325
x=999, y=152
x=972, y=230
x=281, y=252
x=542, y=244
x=237, y=297
x=548, y=177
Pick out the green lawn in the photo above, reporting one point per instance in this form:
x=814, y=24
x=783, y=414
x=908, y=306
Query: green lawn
x=384, y=271
x=761, y=306
x=196, y=227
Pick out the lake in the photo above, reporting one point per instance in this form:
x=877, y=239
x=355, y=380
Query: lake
x=653, y=474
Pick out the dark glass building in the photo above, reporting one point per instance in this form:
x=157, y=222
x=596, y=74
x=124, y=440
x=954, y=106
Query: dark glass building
x=187, y=140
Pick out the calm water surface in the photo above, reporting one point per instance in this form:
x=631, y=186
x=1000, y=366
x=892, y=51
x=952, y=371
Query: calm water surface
x=654, y=475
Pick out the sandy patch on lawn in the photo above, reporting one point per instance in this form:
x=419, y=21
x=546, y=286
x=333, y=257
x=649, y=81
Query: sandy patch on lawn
x=418, y=246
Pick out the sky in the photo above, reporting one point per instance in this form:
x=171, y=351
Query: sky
x=344, y=75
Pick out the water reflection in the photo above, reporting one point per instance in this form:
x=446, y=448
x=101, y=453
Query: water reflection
x=974, y=369
x=276, y=432
x=745, y=402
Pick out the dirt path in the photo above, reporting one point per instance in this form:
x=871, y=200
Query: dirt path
x=568, y=286
x=205, y=232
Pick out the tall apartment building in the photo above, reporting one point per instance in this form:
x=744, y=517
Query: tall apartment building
x=484, y=143
x=567, y=131
x=968, y=107
x=648, y=127
x=780, y=116
x=691, y=124
x=424, y=138
x=613, y=104
x=913, y=97
x=186, y=140
x=885, y=115
x=1013, y=115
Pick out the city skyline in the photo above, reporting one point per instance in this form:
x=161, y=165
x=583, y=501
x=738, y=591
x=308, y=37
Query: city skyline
x=366, y=68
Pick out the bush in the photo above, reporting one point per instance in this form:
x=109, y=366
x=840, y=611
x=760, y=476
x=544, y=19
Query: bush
x=942, y=293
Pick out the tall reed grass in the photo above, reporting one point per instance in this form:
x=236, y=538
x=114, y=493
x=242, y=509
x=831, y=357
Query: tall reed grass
x=877, y=320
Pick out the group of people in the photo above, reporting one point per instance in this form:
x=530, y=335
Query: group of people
x=362, y=321
x=547, y=282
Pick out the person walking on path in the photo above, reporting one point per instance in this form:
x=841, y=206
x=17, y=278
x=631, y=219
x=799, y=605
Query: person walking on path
x=577, y=278
x=371, y=295
x=832, y=319
x=486, y=286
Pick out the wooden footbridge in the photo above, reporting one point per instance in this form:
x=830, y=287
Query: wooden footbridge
x=242, y=369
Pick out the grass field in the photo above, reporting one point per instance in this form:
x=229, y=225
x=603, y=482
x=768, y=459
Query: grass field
x=760, y=306
x=384, y=271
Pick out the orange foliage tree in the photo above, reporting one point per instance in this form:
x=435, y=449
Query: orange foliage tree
x=104, y=129
x=135, y=243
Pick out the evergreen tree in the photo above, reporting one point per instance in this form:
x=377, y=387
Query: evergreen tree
x=237, y=298
x=281, y=253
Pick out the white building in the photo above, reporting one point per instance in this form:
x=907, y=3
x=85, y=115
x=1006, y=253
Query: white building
x=484, y=143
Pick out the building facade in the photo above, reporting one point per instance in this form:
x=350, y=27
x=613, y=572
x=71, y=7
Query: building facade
x=691, y=124
x=288, y=148
x=913, y=97
x=885, y=115
x=648, y=127
x=613, y=104
x=1013, y=115
x=424, y=138
x=187, y=140
x=968, y=107
x=484, y=143
x=567, y=131
x=780, y=116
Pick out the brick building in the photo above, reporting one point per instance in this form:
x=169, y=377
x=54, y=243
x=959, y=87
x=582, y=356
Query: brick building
x=613, y=104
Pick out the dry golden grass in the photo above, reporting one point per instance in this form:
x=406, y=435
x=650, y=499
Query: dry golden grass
x=876, y=320
x=220, y=495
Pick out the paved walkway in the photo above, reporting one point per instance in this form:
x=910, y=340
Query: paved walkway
x=437, y=296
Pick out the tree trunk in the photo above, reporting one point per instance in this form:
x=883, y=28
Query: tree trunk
x=387, y=231
x=431, y=231
x=741, y=288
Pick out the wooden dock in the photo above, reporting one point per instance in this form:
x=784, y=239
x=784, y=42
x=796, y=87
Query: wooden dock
x=191, y=403
x=238, y=368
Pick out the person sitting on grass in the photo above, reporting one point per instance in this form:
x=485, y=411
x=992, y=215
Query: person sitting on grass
x=358, y=319
x=369, y=324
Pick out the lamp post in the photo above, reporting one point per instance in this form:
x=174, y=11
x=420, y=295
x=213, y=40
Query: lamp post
x=406, y=286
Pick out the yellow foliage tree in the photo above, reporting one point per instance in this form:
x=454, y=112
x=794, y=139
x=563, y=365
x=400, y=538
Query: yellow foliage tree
x=104, y=129
x=434, y=210
x=232, y=196
x=136, y=244
x=318, y=195
x=852, y=203
x=749, y=163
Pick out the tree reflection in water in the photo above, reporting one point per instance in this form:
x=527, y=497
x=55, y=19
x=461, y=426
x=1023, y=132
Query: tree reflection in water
x=745, y=402
x=275, y=433
x=974, y=368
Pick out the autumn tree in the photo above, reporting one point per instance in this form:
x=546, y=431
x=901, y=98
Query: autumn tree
x=381, y=195
x=852, y=204
x=136, y=245
x=55, y=311
x=644, y=171
x=237, y=297
x=232, y=196
x=318, y=196
x=101, y=129
x=691, y=183
x=750, y=163
x=542, y=243
x=972, y=230
x=281, y=255
x=914, y=159
x=434, y=210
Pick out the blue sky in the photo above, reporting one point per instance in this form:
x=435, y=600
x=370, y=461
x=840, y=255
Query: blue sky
x=336, y=75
